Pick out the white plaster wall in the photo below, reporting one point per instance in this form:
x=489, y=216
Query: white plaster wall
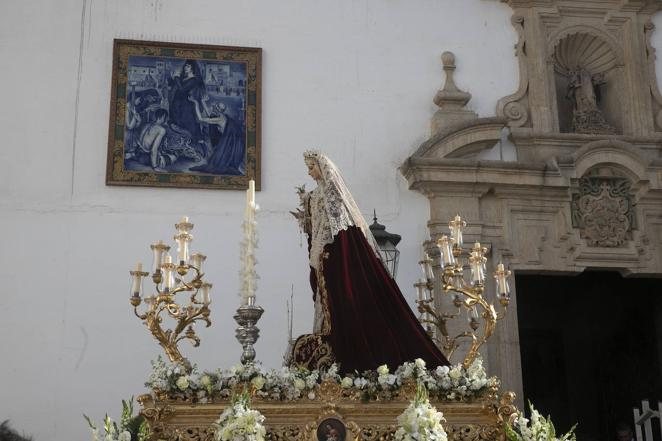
x=354, y=78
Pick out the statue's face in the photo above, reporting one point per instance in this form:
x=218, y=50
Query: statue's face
x=314, y=170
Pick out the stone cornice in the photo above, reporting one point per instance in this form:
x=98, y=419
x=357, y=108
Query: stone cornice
x=642, y=6
x=464, y=129
x=435, y=172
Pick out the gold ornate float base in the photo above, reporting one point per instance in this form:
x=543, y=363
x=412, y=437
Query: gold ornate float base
x=304, y=420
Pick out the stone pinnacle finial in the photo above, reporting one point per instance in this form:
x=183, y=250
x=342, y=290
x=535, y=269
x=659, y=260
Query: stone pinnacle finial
x=450, y=99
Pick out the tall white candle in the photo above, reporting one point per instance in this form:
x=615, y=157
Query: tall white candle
x=135, y=287
x=248, y=276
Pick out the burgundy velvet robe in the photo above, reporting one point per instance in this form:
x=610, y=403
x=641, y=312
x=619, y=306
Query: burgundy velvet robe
x=371, y=322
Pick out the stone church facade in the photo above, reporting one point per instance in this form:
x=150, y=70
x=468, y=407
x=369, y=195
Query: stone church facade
x=568, y=175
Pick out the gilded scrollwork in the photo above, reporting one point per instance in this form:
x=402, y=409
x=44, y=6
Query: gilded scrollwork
x=472, y=432
x=507, y=409
x=304, y=420
x=374, y=432
x=330, y=391
x=196, y=434
x=285, y=433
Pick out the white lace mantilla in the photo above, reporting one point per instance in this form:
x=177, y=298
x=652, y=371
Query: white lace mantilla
x=332, y=209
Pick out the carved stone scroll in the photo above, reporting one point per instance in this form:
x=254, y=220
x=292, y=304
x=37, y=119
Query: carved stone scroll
x=514, y=106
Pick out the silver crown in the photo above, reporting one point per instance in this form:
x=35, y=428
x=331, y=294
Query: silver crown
x=311, y=154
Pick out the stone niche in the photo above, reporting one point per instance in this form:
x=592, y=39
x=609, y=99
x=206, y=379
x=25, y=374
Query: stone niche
x=577, y=179
x=587, y=72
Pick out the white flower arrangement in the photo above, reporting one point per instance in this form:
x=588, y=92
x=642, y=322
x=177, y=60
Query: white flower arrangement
x=131, y=428
x=240, y=423
x=451, y=383
x=538, y=428
x=421, y=421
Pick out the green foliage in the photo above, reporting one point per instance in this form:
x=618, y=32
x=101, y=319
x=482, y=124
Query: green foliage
x=136, y=425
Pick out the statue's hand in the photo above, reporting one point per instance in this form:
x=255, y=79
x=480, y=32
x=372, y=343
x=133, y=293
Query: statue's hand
x=298, y=214
x=301, y=192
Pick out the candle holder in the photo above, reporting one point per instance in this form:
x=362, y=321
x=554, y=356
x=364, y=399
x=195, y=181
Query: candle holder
x=468, y=295
x=247, y=333
x=163, y=304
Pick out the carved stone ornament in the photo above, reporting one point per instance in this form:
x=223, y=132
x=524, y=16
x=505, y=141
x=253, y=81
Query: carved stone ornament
x=514, y=107
x=602, y=210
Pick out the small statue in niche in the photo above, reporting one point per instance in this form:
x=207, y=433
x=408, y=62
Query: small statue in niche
x=587, y=117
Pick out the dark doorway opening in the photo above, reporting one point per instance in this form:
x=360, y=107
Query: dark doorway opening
x=591, y=348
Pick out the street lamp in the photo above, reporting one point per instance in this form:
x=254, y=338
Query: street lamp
x=387, y=245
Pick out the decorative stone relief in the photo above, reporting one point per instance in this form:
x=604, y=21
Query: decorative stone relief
x=603, y=211
x=649, y=27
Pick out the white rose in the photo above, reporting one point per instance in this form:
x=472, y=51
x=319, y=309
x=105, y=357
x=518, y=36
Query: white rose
x=311, y=395
x=382, y=370
x=455, y=373
x=258, y=382
x=346, y=382
x=420, y=363
x=205, y=380
x=299, y=384
x=182, y=383
x=442, y=370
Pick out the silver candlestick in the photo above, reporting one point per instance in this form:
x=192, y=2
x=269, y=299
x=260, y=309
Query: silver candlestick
x=247, y=333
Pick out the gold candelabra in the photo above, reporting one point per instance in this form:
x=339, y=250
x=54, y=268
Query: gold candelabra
x=467, y=295
x=167, y=285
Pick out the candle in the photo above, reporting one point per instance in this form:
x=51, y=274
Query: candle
x=429, y=274
x=420, y=286
x=183, y=240
x=477, y=263
x=137, y=275
x=251, y=191
x=197, y=260
x=251, y=200
x=206, y=298
x=501, y=278
x=248, y=245
x=158, y=249
x=444, y=245
x=168, y=276
x=456, y=226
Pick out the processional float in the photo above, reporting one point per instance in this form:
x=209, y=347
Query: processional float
x=309, y=405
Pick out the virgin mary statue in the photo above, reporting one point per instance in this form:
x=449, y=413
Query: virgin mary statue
x=361, y=318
